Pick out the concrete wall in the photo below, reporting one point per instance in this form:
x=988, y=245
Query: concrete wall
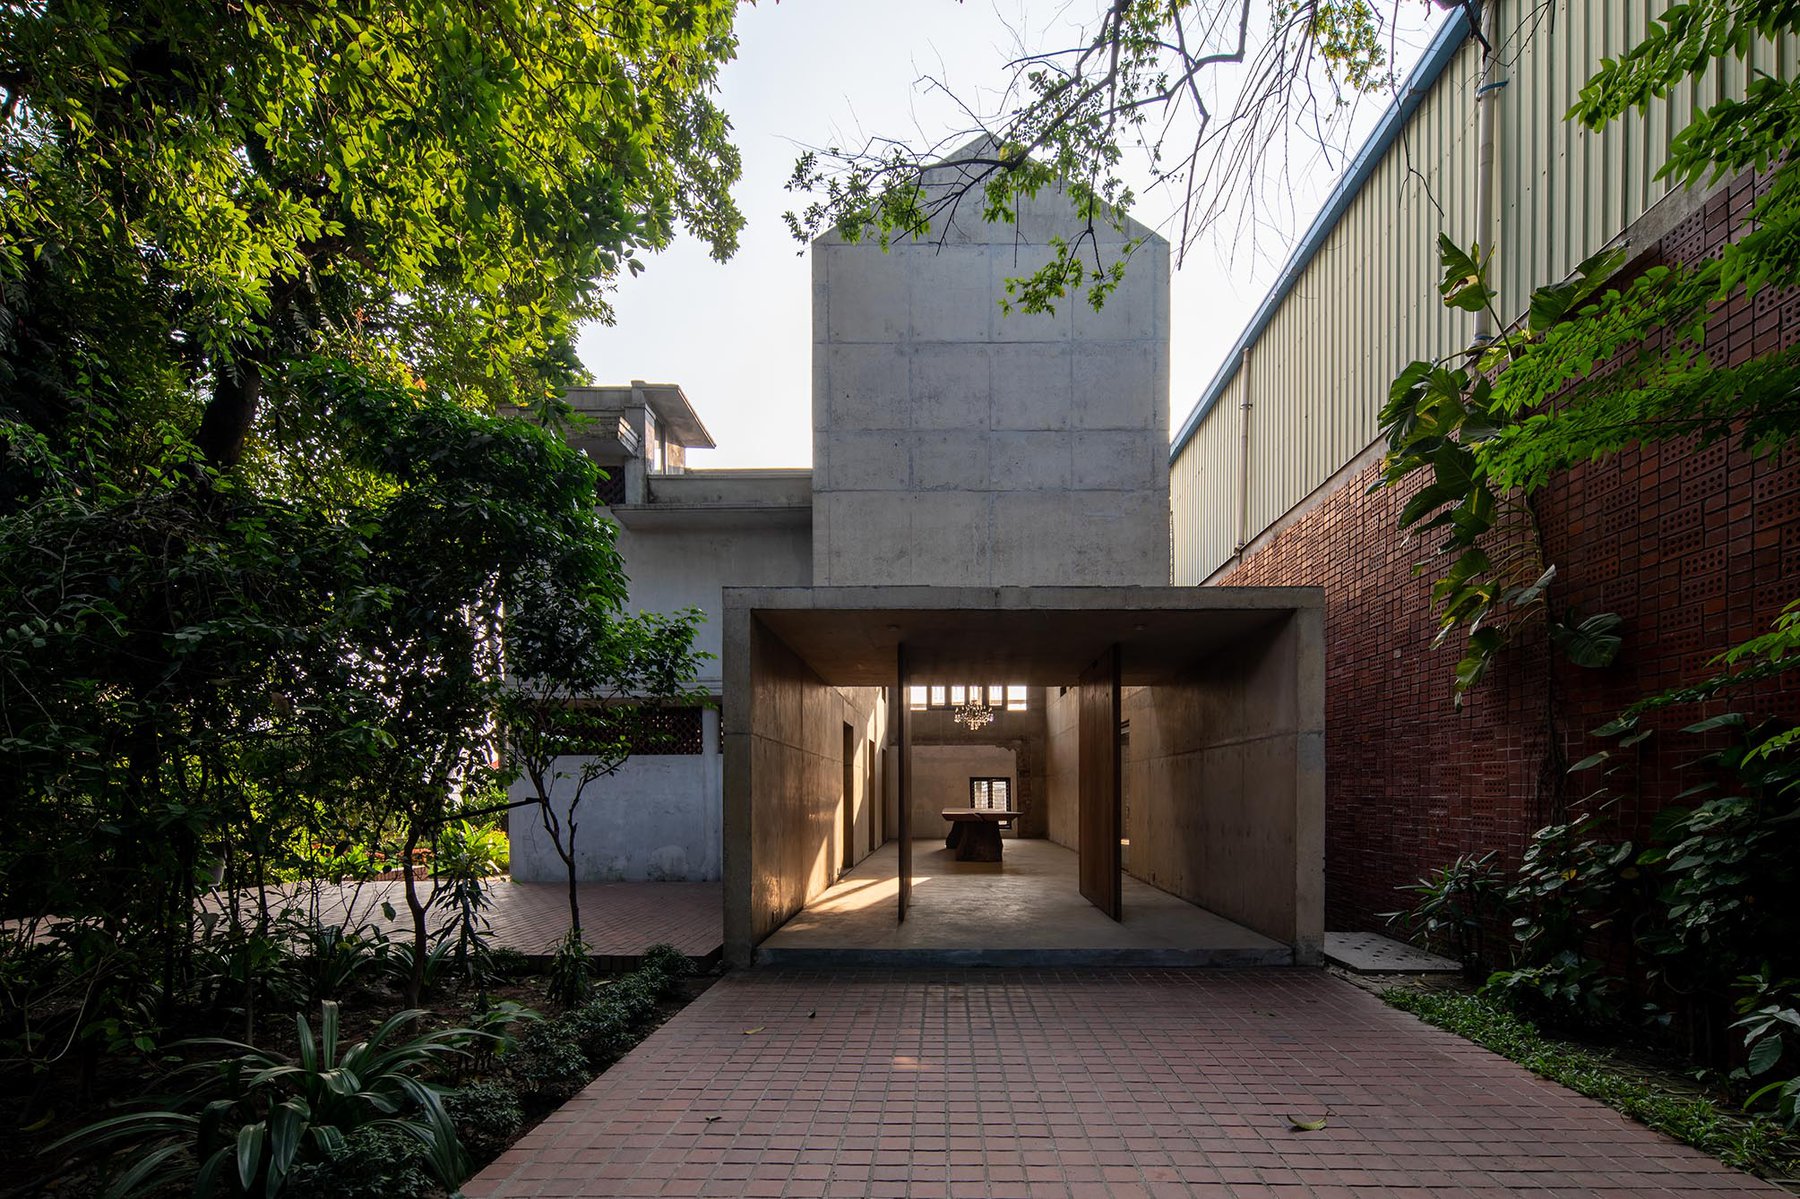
x=941, y=776
x=674, y=567
x=1020, y=733
x=1223, y=782
x=787, y=839
x=954, y=445
x=1225, y=774
x=658, y=819
x=1062, y=781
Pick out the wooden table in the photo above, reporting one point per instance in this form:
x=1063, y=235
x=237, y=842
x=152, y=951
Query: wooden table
x=975, y=832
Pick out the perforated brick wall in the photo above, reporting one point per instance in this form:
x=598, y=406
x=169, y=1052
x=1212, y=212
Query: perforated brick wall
x=1695, y=548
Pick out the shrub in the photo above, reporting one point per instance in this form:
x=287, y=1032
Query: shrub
x=487, y=1117
x=260, y=1115
x=571, y=974
x=375, y=1161
x=1455, y=904
x=549, y=1065
x=667, y=961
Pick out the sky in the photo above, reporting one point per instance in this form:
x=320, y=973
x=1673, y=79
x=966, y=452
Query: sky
x=737, y=336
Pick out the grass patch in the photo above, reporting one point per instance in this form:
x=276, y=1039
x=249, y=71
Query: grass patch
x=1754, y=1143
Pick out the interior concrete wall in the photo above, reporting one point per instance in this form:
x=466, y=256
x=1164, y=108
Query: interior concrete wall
x=1020, y=732
x=1225, y=774
x=941, y=776
x=1062, y=780
x=657, y=820
x=956, y=445
x=792, y=826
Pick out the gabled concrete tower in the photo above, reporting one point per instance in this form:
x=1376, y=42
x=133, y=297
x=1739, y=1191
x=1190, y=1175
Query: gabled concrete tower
x=956, y=445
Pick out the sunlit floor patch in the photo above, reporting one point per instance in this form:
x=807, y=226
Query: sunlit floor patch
x=1023, y=910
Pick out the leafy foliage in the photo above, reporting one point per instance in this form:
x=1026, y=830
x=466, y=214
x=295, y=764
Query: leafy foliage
x=1757, y=1145
x=1605, y=359
x=1455, y=905
x=448, y=186
x=1138, y=79
x=1571, y=887
x=1771, y=1022
x=487, y=1117
x=555, y=1058
x=245, y=1129
x=1442, y=420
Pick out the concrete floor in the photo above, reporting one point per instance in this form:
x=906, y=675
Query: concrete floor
x=1024, y=911
x=1079, y=1084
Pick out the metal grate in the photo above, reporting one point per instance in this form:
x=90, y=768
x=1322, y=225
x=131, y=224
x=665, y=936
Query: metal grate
x=610, y=488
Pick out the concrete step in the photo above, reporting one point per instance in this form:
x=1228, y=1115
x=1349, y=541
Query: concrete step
x=824, y=957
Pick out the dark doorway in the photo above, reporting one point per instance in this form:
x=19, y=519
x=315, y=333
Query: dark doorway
x=849, y=804
x=877, y=813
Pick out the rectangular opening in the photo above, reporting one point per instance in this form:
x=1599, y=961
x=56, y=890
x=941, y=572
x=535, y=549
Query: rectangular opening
x=991, y=795
x=848, y=806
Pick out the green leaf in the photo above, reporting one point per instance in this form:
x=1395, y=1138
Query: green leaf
x=249, y=1152
x=1763, y=1055
x=1725, y=720
x=1592, y=643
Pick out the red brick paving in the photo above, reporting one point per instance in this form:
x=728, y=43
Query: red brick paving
x=1078, y=1085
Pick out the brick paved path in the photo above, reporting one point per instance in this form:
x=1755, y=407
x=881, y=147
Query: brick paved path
x=1074, y=1084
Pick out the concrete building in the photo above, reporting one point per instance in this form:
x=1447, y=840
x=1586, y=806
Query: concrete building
x=994, y=503
x=985, y=524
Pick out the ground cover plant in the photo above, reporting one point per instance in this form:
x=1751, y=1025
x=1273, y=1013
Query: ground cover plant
x=355, y=1098
x=287, y=300
x=1707, y=1121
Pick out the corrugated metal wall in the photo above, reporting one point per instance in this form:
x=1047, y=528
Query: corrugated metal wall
x=1367, y=302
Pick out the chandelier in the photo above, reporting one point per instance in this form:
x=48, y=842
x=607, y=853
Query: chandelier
x=975, y=713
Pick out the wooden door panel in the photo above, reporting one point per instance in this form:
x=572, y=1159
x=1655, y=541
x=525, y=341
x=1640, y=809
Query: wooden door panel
x=902, y=700
x=1099, y=791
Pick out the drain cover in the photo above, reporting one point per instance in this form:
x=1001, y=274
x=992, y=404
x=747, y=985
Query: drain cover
x=1372, y=953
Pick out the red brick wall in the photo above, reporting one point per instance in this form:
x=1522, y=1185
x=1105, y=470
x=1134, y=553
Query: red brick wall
x=1695, y=548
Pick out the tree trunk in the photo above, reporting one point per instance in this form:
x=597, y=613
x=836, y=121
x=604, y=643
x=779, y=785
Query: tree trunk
x=225, y=426
x=574, y=902
x=415, y=986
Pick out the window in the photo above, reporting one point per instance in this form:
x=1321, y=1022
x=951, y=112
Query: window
x=1007, y=697
x=992, y=795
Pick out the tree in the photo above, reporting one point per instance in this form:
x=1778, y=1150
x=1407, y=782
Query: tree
x=194, y=195
x=1151, y=80
x=1494, y=425
x=585, y=683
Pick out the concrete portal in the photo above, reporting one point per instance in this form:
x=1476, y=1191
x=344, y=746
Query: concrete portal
x=1223, y=688
x=1022, y=910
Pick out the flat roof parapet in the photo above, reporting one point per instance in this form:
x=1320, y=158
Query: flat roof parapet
x=675, y=415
